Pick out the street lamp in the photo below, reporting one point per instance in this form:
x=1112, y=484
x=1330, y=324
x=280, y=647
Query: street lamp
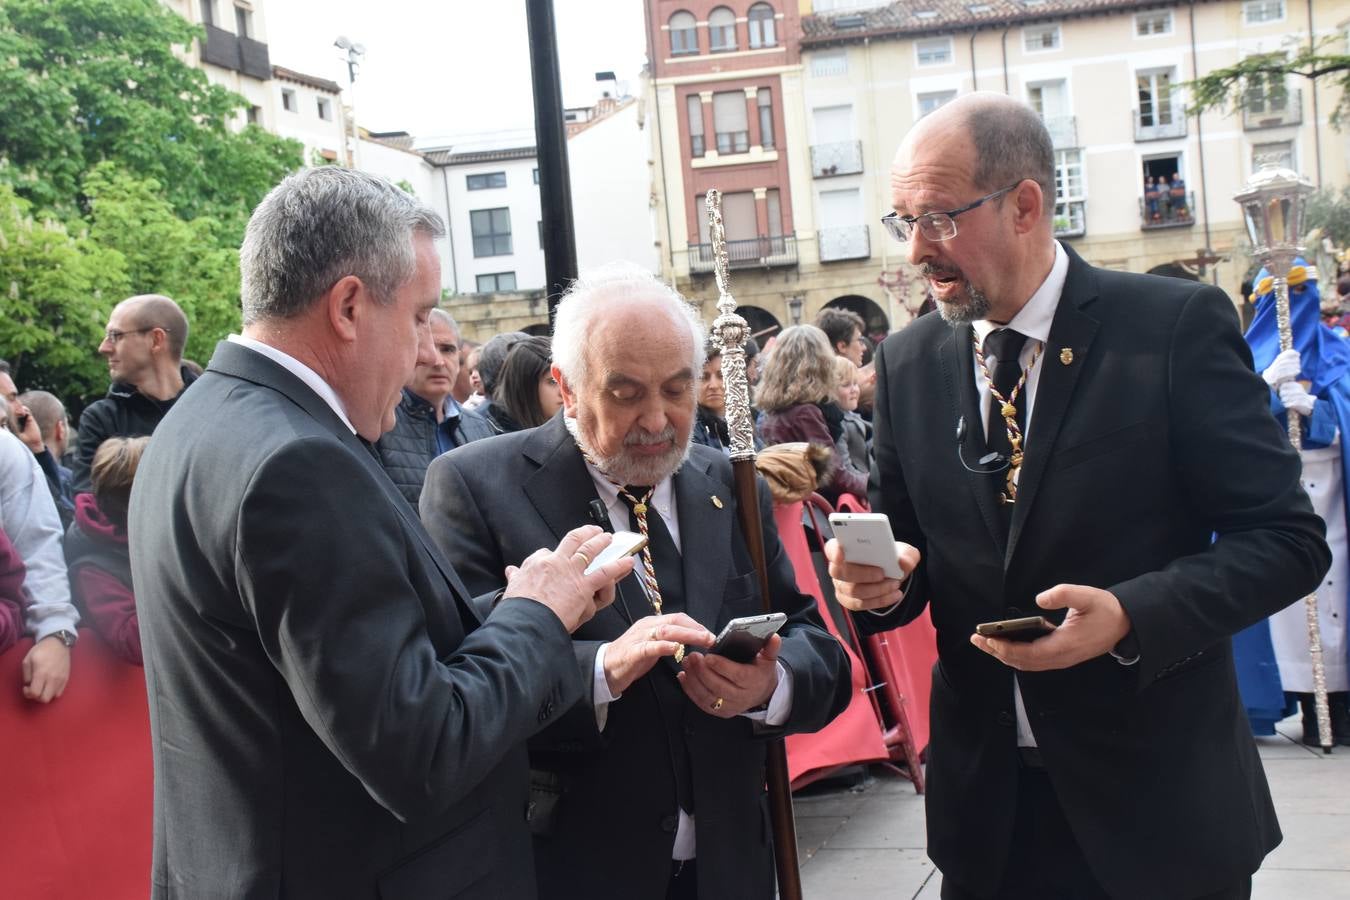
x=352, y=54
x=794, y=304
x=1273, y=203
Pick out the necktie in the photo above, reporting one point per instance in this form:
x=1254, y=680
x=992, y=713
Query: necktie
x=661, y=559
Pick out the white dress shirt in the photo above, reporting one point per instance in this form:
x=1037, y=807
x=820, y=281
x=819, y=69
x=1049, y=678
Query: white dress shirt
x=663, y=501
x=311, y=378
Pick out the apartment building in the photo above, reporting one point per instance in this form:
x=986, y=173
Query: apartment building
x=234, y=53
x=1141, y=185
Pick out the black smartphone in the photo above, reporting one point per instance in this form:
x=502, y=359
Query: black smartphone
x=1028, y=629
x=742, y=638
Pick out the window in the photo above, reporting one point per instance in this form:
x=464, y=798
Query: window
x=694, y=106
x=1267, y=92
x=683, y=34
x=496, y=281
x=775, y=212
x=1279, y=153
x=540, y=225
x=722, y=29
x=934, y=51
x=1069, y=175
x=930, y=102
x=254, y=115
x=765, y=100
x=208, y=12
x=762, y=26
x=491, y=231
x=288, y=101
x=485, y=180
x=829, y=64
x=1038, y=38
x=243, y=21
x=1155, y=97
x=1254, y=12
x=730, y=122
x=1157, y=21
x=536, y=176
x=325, y=109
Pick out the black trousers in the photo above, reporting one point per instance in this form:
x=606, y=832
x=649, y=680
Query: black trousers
x=683, y=880
x=1045, y=862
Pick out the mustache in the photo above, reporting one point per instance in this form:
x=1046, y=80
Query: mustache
x=931, y=271
x=639, y=437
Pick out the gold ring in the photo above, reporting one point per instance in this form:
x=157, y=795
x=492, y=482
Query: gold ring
x=654, y=637
x=717, y=704
x=583, y=556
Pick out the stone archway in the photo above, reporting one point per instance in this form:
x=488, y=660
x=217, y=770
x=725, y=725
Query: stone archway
x=763, y=324
x=538, y=329
x=875, y=323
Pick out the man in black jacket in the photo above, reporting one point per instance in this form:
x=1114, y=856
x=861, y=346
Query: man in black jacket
x=144, y=347
x=1093, y=446
x=428, y=421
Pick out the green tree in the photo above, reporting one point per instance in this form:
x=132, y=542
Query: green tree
x=84, y=81
x=1329, y=210
x=56, y=290
x=1260, y=74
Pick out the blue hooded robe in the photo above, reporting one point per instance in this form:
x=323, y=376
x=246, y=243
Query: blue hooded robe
x=1325, y=359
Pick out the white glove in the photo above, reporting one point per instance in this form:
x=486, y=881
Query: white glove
x=1285, y=367
x=1295, y=397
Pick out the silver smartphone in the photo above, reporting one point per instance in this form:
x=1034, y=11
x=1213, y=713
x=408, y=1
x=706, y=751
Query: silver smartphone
x=742, y=638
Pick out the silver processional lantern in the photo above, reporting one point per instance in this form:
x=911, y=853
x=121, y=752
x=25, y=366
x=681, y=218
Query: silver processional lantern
x=1273, y=203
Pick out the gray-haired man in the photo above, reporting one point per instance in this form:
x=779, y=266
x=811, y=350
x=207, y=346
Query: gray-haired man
x=329, y=715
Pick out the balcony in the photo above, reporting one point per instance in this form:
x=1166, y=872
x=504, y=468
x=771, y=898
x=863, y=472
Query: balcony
x=1063, y=131
x=853, y=242
x=1273, y=110
x=756, y=253
x=1167, y=212
x=1070, y=219
x=229, y=51
x=1150, y=128
x=842, y=158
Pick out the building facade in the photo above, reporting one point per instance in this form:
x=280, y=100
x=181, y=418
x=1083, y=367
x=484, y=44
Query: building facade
x=234, y=52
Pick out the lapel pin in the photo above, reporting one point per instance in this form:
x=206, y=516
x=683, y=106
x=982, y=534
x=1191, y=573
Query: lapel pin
x=1066, y=356
x=716, y=501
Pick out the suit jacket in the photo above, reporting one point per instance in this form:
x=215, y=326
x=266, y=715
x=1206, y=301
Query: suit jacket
x=488, y=504
x=1150, y=434
x=328, y=716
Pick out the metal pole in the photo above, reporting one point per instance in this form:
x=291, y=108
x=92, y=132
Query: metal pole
x=550, y=135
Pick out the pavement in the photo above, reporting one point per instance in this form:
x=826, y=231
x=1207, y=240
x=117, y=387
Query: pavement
x=862, y=836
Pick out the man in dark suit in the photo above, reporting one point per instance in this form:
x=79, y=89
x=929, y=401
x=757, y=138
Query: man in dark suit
x=1140, y=498
x=329, y=715
x=658, y=750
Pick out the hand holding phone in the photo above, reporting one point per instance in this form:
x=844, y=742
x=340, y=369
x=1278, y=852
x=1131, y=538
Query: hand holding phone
x=743, y=638
x=866, y=539
x=625, y=543
x=1021, y=630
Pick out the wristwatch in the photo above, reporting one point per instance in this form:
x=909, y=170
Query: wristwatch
x=66, y=637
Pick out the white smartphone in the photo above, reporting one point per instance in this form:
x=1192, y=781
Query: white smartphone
x=625, y=543
x=866, y=538
x=742, y=638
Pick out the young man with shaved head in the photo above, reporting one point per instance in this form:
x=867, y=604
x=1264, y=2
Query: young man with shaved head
x=144, y=348
x=1116, y=469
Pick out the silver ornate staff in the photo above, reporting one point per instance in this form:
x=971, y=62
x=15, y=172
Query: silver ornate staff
x=1272, y=206
x=729, y=334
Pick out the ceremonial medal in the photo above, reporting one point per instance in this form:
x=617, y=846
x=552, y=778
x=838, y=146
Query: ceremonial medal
x=1066, y=356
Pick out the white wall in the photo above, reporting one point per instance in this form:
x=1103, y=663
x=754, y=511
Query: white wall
x=521, y=197
x=404, y=166
x=611, y=192
x=303, y=124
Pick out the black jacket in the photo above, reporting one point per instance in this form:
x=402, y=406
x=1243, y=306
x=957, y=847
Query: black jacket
x=1150, y=434
x=409, y=447
x=124, y=412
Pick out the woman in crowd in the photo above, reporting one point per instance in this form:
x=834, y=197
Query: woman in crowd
x=97, y=558
x=525, y=389
x=797, y=397
x=710, y=425
x=857, y=440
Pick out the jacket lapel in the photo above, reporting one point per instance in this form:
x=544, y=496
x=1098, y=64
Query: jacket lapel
x=705, y=539
x=1074, y=330
x=958, y=374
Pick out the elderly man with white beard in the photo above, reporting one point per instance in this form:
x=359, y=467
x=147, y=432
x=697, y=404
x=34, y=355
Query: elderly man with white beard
x=652, y=786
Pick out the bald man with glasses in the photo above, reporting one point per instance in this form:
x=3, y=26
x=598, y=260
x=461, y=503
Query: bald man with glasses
x=1067, y=441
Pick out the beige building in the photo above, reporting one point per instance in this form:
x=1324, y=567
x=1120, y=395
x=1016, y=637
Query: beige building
x=1107, y=76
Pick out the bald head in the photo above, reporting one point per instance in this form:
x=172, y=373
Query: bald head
x=1003, y=139
x=158, y=311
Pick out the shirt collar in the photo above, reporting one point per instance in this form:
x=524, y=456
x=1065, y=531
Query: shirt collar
x=312, y=379
x=1035, y=318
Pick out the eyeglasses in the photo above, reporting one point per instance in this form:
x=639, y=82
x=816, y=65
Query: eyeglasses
x=934, y=226
x=113, y=336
